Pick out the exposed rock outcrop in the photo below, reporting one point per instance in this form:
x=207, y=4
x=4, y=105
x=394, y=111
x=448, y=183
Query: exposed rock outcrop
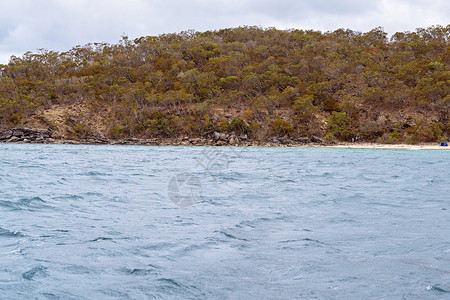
x=25, y=135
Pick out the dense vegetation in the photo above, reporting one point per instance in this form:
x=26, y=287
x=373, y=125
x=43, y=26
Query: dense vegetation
x=262, y=83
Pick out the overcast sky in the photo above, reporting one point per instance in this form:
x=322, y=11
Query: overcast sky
x=28, y=25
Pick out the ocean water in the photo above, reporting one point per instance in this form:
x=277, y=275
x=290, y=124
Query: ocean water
x=135, y=222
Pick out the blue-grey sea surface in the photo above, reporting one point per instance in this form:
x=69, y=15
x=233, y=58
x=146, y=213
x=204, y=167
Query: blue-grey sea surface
x=140, y=222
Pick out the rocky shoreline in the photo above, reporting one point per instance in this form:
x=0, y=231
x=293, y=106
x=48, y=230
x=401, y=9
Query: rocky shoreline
x=42, y=136
x=28, y=135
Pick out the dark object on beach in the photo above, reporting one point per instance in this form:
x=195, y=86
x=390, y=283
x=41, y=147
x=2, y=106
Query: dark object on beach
x=444, y=144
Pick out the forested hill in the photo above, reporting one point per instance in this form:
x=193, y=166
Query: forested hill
x=252, y=83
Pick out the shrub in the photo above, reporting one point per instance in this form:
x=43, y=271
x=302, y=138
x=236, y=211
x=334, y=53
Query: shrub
x=239, y=126
x=15, y=118
x=423, y=131
x=339, y=125
x=82, y=130
x=282, y=127
x=394, y=137
x=116, y=130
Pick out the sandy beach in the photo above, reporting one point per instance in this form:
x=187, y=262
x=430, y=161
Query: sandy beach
x=389, y=146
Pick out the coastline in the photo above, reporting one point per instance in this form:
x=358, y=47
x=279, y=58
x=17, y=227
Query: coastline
x=190, y=143
x=33, y=136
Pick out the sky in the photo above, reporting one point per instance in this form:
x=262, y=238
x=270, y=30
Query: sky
x=59, y=25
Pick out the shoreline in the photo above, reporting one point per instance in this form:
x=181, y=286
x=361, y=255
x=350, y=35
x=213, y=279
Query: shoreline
x=190, y=143
x=33, y=136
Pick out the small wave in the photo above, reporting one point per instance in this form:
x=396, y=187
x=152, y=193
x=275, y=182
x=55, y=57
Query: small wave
x=230, y=236
x=313, y=241
x=101, y=238
x=142, y=272
x=69, y=197
x=287, y=181
x=36, y=271
x=93, y=194
x=170, y=282
x=252, y=223
x=32, y=202
x=25, y=203
x=288, y=241
x=307, y=240
x=94, y=173
x=439, y=289
x=50, y=296
x=7, y=233
x=170, y=286
x=8, y=204
x=159, y=246
x=152, y=270
x=200, y=246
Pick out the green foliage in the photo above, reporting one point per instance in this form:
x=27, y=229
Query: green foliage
x=339, y=126
x=423, y=131
x=157, y=124
x=372, y=95
x=394, y=137
x=52, y=96
x=239, y=126
x=305, y=107
x=230, y=82
x=82, y=130
x=116, y=130
x=15, y=118
x=282, y=127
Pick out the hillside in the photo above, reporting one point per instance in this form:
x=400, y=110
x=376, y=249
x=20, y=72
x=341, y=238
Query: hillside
x=233, y=85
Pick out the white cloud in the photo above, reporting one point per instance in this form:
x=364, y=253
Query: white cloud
x=61, y=24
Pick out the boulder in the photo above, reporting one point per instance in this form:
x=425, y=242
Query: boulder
x=218, y=136
x=316, y=139
x=302, y=140
x=5, y=135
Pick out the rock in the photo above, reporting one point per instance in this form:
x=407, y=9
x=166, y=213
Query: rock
x=275, y=141
x=101, y=137
x=195, y=141
x=71, y=142
x=218, y=136
x=5, y=135
x=284, y=141
x=17, y=132
x=233, y=140
x=220, y=143
x=303, y=140
x=316, y=139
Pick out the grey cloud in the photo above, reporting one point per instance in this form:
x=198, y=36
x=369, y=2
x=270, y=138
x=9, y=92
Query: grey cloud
x=61, y=24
